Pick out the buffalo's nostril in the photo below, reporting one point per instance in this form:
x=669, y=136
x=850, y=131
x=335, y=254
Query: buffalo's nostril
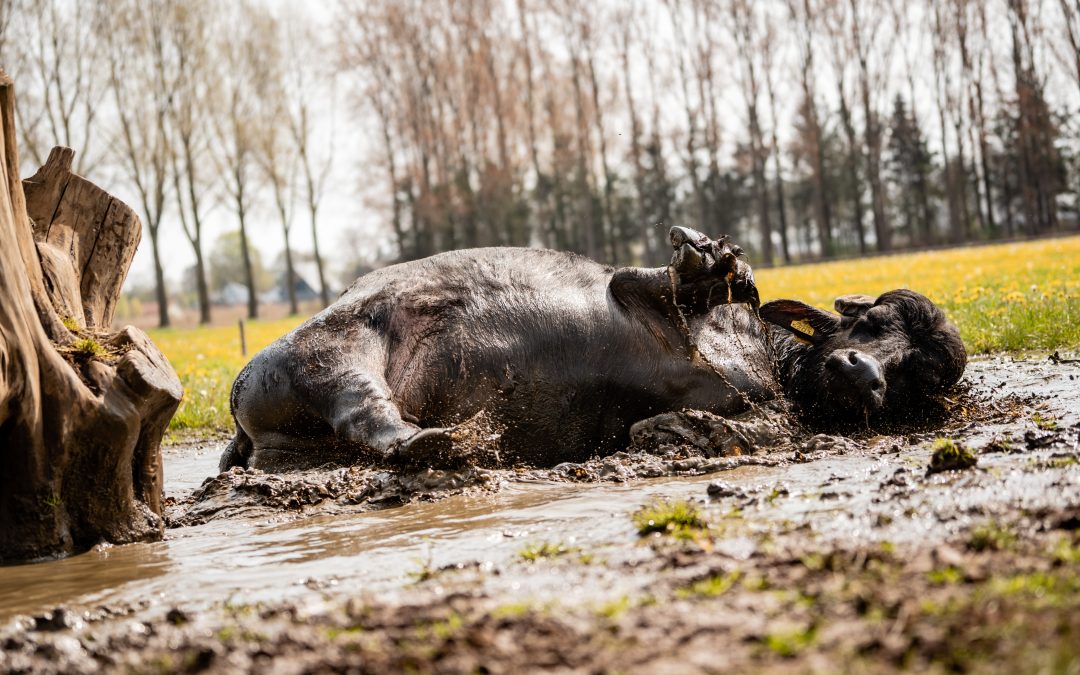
x=861, y=375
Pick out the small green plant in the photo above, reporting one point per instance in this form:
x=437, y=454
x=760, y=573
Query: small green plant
x=70, y=323
x=511, y=610
x=448, y=628
x=945, y=576
x=678, y=518
x=999, y=444
x=1061, y=462
x=776, y=493
x=991, y=537
x=88, y=346
x=53, y=501
x=1067, y=551
x=535, y=552
x=950, y=455
x=615, y=608
x=1045, y=422
x=710, y=587
x=427, y=568
x=789, y=643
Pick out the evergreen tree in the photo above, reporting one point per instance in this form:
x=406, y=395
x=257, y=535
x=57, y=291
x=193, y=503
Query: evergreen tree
x=909, y=165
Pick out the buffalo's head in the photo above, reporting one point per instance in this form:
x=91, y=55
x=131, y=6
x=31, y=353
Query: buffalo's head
x=878, y=362
x=709, y=272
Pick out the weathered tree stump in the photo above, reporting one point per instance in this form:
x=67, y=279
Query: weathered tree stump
x=82, y=411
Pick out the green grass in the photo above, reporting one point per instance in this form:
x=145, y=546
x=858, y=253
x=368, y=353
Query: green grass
x=991, y=537
x=208, y=359
x=1003, y=297
x=88, y=346
x=710, y=587
x=545, y=550
x=789, y=643
x=1045, y=422
x=950, y=455
x=676, y=518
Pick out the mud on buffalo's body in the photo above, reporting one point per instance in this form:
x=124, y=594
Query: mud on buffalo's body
x=561, y=353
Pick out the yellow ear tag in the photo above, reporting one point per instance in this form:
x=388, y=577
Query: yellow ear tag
x=802, y=329
x=803, y=326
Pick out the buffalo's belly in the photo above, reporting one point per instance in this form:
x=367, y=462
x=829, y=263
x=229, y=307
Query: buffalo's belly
x=545, y=419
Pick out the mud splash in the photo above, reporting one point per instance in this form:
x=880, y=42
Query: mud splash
x=318, y=553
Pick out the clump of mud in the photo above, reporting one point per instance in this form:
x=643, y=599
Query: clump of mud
x=239, y=493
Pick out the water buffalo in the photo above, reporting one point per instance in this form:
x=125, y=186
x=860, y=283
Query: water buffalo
x=564, y=355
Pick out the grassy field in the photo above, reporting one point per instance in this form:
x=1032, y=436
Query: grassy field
x=207, y=361
x=1007, y=297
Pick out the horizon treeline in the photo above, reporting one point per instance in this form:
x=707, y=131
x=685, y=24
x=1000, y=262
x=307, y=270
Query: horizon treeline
x=806, y=129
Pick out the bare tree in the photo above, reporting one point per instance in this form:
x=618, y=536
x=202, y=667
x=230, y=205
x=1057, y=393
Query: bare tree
x=745, y=24
x=58, y=62
x=804, y=22
x=274, y=152
x=770, y=68
x=191, y=109
x=245, y=75
x=141, y=83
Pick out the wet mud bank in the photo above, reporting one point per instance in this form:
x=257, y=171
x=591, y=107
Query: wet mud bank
x=791, y=551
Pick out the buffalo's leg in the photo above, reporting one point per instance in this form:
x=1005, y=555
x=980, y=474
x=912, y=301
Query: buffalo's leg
x=364, y=412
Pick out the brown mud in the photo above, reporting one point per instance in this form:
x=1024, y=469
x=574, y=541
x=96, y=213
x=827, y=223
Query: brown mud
x=821, y=553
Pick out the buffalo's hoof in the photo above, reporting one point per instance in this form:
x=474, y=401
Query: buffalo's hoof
x=432, y=447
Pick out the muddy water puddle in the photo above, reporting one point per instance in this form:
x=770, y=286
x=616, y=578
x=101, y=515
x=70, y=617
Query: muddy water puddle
x=332, y=543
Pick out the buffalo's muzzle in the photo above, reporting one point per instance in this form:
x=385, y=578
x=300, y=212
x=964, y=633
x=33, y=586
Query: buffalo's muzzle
x=862, y=373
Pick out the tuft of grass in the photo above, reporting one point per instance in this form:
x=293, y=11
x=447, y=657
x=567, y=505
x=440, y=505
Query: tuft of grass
x=535, y=552
x=88, y=346
x=511, y=610
x=1067, y=551
x=71, y=323
x=710, y=587
x=334, y=632
x=999, y=444
x=991, y=537
x=675, y=518
x=1044, y=422
x=788, y=643
x=1043, y=586
x=946, y=576
x=613, y=609
x=1061, y=462
x=949, y=455
x=444, y=630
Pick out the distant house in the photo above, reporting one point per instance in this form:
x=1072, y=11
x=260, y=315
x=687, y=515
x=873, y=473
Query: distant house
x=232, y=293
x=305, y=291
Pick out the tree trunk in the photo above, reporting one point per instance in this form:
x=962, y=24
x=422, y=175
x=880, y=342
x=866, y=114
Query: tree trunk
x=202, y=287
x=245, y=252
x=82, y=411
x=852, y=164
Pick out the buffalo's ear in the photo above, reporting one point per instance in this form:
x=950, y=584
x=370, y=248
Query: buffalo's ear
x=807, y=323
x=853, y=306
